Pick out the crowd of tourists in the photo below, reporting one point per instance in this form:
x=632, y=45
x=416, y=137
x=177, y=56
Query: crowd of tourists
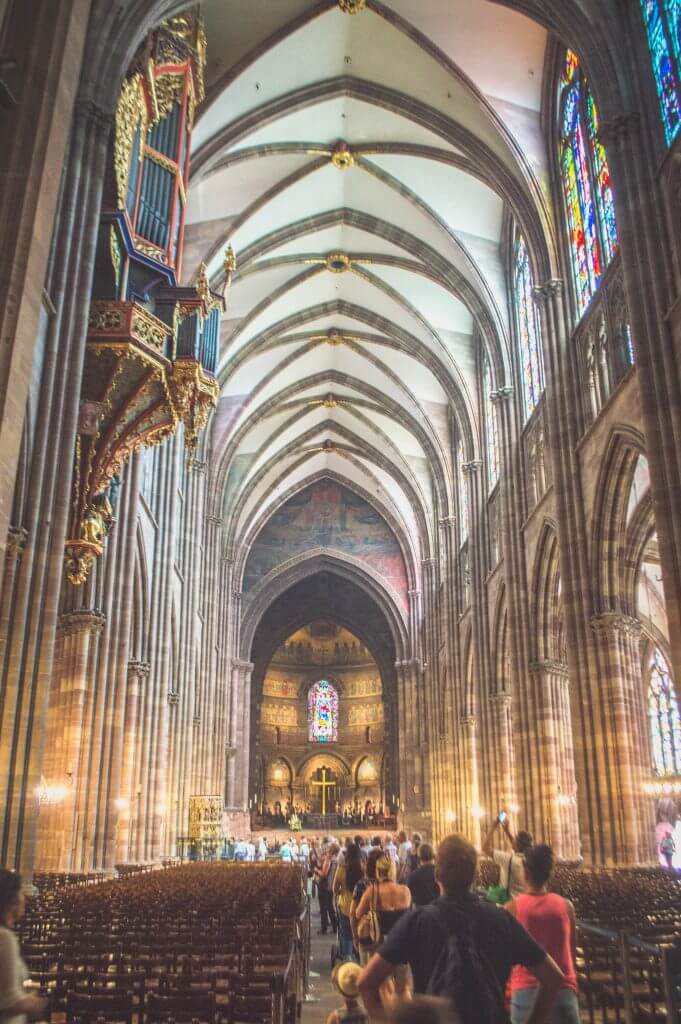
x=417, y=941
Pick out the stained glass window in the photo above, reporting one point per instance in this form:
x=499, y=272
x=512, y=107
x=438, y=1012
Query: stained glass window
x=664, y=718
x=322, y=713
x=587, y=189
x=491, y=426
x=528, y=329
x=463, y=492
x=662, y=20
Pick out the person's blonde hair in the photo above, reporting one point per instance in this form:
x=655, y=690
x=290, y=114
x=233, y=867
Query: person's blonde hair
x=385, y=868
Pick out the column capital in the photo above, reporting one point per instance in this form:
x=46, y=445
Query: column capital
x=620, y=128
x=140, y=669
x=243, y=666
x=90, y=111
x=608, y=624
x=550, y=289
x=16, y=542
x=196, y=720
x=408, y=663
x=85, y=620
x=501, y=394
x=501, y=699
x=173, y=698
x=214, y=520
x=467, y=720
x=198, y=465
x=414, y=592
x=471, y=467
x=237, y=596
x=448, y=522
x=428, y=562
x=549, y=665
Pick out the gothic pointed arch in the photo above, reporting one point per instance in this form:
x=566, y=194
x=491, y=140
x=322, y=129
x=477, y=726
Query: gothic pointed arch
x=617, y=477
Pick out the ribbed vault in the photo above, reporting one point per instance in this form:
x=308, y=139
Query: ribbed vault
x=365, y=169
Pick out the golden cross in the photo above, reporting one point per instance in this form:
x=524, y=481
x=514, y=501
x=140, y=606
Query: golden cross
x=324, y=786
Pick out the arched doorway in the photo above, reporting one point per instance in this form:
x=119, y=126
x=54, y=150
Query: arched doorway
x=324, y=697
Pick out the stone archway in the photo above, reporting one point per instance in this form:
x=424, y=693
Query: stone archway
x=327, y=594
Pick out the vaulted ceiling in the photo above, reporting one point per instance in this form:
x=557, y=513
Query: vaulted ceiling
x=364, y=168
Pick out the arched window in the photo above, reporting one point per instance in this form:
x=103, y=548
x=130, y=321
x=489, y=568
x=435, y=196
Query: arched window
x=463, y=492
x=662, y=18
x=664, y=718
x=527, y=320
x=586, y=183
x=491, y=426
x=322, y=713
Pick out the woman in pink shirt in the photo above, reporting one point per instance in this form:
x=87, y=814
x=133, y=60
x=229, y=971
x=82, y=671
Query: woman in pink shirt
x=550, y=920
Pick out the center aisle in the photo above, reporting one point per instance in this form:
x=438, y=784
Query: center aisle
x=322, y=992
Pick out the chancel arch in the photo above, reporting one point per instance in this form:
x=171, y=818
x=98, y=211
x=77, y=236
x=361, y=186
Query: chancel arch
x=323, y=637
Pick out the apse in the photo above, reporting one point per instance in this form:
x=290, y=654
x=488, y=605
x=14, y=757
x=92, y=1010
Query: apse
x=320, y=727
x=324, y=701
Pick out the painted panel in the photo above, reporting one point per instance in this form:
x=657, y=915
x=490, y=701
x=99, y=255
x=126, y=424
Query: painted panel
x=326, y=515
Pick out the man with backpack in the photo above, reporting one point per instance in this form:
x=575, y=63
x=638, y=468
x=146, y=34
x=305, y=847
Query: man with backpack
x=461, y=948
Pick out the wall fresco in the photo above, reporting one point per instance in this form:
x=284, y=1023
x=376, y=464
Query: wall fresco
x=326, y=515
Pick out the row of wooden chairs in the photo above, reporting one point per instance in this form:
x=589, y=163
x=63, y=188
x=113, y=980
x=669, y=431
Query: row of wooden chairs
x=184, y=944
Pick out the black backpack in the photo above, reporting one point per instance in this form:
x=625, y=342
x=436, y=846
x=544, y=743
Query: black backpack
x=462, y=973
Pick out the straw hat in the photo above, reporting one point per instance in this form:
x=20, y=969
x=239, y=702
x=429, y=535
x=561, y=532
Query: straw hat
x=344, y=979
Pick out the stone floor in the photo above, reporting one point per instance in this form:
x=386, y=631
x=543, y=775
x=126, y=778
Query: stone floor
x=322, y=998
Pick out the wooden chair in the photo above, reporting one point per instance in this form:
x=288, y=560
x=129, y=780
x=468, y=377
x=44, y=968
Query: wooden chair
x=88, y=1009
x=183, y=1008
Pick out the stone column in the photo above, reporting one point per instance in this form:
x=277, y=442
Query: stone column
x=561, y=425
x=78, y=634
x=469, y=819
x=503, y=788
x=650, y=246
x=431, y=703
x=16, y=542
x=241, y=725
x=26, y=651
x=33, y=138
x=549, y=728
x=451, y=680
x=622, y=809
x=127, y=821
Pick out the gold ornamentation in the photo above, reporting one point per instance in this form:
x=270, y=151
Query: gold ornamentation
x=328, y=448
x=205, y=814
x=169, y=88
x=163, y=161
x=80, y=556
x=194, y=395
x=147, y=249
x=130, y=111
x=203, y=284
x=351, y=6
x=338, y=262
x=148, y=328
x=342, y=158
